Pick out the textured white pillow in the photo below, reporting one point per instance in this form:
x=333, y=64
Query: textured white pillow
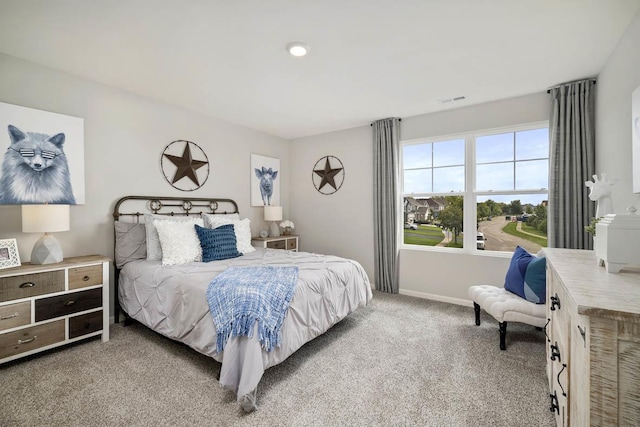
x=206, y=216
x=179, y=241
x=242, y=228
x=154, y=250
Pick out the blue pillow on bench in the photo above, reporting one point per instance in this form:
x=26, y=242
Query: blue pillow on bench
x=526, y=276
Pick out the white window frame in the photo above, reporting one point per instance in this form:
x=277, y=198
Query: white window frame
x=470, y=195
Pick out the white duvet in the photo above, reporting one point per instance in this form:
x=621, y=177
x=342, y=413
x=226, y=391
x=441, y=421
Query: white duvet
x=171, y=300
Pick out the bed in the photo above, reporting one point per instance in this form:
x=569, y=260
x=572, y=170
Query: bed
x=171, y=299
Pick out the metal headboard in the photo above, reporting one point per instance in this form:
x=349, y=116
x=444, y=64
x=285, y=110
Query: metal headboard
x=179, y=206
x=173, y=206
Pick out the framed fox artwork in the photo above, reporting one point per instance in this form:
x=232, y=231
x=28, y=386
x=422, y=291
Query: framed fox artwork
x=42, y=157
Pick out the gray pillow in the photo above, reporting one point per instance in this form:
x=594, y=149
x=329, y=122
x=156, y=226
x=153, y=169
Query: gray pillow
x=131, y=242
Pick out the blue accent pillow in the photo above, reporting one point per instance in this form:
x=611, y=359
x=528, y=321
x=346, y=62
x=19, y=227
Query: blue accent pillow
x=217, y=243
x=527, y=276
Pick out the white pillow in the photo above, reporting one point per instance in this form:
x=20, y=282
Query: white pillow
x=233, y=216
x=154, y=249
x=242, y=228
x=179, y=241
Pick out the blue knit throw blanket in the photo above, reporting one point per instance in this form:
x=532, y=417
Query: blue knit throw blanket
x=241, y=296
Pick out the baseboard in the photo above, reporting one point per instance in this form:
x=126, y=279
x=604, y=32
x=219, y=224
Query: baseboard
x=434, y=297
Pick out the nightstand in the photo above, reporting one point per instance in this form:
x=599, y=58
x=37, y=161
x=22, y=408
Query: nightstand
x=46, y=306
x=288, y=242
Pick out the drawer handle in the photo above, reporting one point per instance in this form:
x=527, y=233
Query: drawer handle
x=11, y=316
x=27, y=341
x=583, y=332
x=555, y=352
x=564, y=365
x=85, y=278
x=70, y=302
x=27, y=285
x=554, y=403
x=545, y=330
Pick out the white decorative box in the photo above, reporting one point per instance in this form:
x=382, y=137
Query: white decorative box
x=617, y=241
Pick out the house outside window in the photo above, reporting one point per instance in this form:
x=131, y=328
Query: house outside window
x=483, y=190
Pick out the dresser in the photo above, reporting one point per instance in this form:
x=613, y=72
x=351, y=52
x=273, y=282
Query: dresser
x=288, y=242
x=45, y=306
x=593, y=330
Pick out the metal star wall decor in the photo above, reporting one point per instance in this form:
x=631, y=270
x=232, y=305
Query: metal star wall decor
x=328, y=175
x=179, y=161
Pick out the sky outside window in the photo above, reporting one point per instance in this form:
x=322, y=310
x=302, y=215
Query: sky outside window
x=503, y=161
x=494, y=148
x=448, y=153
x=434, y=167
x=532, y=144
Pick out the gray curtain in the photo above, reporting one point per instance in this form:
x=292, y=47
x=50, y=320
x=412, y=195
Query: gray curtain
x=571, y=164
x=386, y=135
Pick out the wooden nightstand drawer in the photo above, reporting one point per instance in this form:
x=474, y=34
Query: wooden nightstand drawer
x=74, y=302
x=46, y=306
x=81, y=277
x=277, y=244
x=29, y=285
x=14, y=315
x=292, y=244
x=85, y=324
x=28, y=339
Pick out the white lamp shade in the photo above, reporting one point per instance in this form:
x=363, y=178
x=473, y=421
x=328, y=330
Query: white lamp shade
x=273, y=213
x=45, y=218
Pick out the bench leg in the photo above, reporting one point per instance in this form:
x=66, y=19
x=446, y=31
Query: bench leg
x=503, y=335
x=476, y=308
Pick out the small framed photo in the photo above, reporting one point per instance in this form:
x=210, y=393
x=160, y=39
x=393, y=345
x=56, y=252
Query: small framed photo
x=9, y=256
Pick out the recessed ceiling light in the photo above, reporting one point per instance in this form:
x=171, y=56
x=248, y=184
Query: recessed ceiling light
x=298, y=48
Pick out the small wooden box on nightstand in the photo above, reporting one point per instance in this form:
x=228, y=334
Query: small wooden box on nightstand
x=45, y=306
x=288, y=242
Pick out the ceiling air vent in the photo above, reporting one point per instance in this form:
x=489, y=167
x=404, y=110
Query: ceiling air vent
x=446, y=100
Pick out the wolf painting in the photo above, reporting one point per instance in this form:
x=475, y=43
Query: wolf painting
x=35, y=170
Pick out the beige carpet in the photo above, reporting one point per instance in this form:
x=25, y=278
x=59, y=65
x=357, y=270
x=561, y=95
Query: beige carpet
x=400, y=361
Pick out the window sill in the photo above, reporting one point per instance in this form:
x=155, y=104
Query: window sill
x=456, y=251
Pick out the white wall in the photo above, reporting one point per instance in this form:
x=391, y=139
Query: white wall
x=342, y=223
x=619, y=78
x=124, y=138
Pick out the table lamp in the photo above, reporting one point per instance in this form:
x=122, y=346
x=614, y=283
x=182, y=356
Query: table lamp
x=273, y=214
x=45, y=219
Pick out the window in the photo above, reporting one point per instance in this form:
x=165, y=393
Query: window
x=477, y=191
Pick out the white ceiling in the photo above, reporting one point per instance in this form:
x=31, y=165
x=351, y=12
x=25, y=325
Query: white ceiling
x=369, y=59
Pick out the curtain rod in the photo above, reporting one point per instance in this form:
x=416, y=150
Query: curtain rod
x=553, y=87
x=383, y=119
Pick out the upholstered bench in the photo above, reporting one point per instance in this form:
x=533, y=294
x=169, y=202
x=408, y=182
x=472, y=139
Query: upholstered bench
x=505, y=307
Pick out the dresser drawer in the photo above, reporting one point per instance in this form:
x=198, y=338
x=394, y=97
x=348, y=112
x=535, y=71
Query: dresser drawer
x=85, y=324
x=292, y=244
x=74, y=302
x=29, y=285
x=81, y=277
x=28, y=339
x=14, y=315
x=277, y=244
